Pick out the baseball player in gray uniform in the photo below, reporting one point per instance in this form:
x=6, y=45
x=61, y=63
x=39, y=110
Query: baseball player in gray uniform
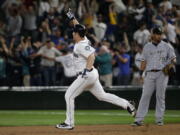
x=156, y=55
x=88, y=77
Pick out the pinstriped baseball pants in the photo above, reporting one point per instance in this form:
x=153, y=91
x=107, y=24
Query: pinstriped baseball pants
x=153, y=81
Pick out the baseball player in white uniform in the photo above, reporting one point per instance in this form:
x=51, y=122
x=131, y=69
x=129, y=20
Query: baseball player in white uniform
x=88, y=77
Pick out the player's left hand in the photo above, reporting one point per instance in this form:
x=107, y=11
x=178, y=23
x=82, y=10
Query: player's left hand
x=169, y=70
x=70, y=15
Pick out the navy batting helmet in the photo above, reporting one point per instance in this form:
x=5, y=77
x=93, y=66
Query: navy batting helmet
x=157, y=30
x=80, y=29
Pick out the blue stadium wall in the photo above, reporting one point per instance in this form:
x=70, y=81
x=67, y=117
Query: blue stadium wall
x=53, y=98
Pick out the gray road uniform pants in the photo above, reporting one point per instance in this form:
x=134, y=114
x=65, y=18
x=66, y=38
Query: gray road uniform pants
x=153, y=81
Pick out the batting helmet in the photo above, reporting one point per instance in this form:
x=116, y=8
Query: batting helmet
x=80, y=29
x=157, y=30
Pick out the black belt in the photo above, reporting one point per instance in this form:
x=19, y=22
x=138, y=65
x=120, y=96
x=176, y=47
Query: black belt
x=80, y=73
x=154, y=70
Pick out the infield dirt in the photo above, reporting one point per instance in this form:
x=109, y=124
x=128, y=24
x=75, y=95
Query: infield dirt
x=168, y=129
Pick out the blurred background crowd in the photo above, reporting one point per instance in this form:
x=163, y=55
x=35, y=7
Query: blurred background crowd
x=31, y=31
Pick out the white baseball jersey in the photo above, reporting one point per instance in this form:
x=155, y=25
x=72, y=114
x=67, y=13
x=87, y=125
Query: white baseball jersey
x=81, y=52
x=67, y=62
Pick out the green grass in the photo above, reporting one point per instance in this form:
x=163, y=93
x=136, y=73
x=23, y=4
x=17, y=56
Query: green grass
x=83, y=117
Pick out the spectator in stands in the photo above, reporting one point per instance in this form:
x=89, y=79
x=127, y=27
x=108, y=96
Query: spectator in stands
x=142, y=35
x=44, y=30
x=104, y=60
x=48, y=66
x=123, y=61
x=149, y=14
x=123, y=26
x=130, y=7
x=24, y=52
x=44, y=7
x=54, y=3
x=45, y=19
x=66, y=59
x=57, y=38
x=166, y=4
x=100, y=28
x=14, y=23
x=139, y=11
x=170, y=30
x=30, y=18
x=119, y=5
x=177, y=52
x=81, y=8
x=13, y=65
x=159, y=19
x=3, y=51
x=2, y=28
x=136, y=80
x=35, y=64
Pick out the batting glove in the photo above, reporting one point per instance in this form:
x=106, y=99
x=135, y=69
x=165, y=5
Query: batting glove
x=70, y=15
x=84, y=73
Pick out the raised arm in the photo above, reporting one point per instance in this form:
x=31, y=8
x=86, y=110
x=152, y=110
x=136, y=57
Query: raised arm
x=71, y=17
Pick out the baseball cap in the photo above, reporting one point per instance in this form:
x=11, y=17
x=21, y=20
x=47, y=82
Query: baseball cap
x=157, y=30
x=80, y=29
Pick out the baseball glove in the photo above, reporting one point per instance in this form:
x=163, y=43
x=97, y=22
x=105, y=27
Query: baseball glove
x=169, y=70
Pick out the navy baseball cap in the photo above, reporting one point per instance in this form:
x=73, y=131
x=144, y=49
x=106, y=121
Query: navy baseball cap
x=81, y=29
x=157, y=30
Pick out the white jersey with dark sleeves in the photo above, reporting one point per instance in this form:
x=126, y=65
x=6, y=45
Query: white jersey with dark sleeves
x=82, y=50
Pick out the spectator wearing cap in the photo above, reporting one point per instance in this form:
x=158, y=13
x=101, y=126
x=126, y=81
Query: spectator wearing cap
x=123, y=61
x=48, y=66
x=57, y=38
x=104, y=62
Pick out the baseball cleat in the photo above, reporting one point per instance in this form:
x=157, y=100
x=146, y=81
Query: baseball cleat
x=131, y=108
x=160, y=123
x=64, y=126
x=137, y=123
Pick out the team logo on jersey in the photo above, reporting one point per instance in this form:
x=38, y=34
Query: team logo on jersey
x=87, y=48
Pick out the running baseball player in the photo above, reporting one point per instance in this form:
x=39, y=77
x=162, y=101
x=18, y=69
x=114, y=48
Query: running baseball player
x=156, y=58
x=88, y=77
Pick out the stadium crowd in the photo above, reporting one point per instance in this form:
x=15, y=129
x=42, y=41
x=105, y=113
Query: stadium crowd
x=31, y=31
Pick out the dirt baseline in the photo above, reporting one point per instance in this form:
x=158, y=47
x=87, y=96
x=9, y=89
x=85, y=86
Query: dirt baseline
x=168, y=129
